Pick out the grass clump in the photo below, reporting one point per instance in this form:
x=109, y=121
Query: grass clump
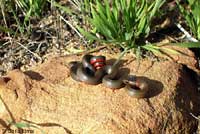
x=19, y=12
x=124, y=23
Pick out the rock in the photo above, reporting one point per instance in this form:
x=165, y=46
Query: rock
x=50, y=99
x=185, y=56
x=14, y=89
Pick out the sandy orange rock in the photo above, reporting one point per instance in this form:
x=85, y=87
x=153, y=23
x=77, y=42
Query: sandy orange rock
x=55, y=102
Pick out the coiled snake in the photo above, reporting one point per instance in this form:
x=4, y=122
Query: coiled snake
x=93, y=70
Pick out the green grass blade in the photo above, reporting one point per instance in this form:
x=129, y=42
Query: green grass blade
x=111, y=18
x=169, y=50
x=102, y=11
x=88, y=34
x=156, y=6
x=188, y=44
x=63, y=8
x=152, y=48
x=22, y=125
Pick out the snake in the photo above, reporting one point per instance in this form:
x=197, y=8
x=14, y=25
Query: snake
x=93, y=70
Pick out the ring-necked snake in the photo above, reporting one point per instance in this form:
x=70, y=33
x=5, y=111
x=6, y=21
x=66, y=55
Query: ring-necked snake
x=93, y=70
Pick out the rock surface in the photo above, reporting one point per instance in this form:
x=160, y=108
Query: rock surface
x=48, y=98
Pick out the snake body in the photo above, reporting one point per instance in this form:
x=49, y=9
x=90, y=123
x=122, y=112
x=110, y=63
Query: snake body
x=137, y=88
x=93, y=70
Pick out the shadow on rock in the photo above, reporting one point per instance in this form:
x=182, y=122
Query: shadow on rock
x=34, y=75
x=4, y=80
x=155, y=87
x=187, y=97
